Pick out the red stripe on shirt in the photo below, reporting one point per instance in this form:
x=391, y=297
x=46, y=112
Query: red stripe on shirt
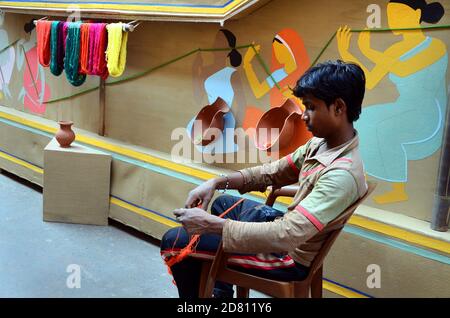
x=310, y=217
x=250, y=261
x=344, y=159
x=309, y=172
x=292, y=164
x=260, y=266
x=255, y=258
x=246, y=261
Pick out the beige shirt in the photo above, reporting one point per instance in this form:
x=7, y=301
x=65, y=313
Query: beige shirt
x=330, y=181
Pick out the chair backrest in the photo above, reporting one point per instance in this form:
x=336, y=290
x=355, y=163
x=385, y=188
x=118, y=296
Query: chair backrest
x=334, y=228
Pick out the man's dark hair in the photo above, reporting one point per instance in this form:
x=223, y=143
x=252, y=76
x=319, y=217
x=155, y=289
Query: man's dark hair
x=331, y=80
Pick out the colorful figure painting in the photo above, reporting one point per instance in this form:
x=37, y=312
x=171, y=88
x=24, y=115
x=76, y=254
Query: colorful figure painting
x=220, y=79
x=7, y=58
x=289, y=62
x=35, y=91
x=410, y=127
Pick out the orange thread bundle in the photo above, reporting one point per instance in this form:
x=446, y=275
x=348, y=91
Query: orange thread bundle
x=189, y=249
x=43, y=31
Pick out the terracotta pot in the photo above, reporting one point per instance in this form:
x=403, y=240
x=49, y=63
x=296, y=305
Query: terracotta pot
x=65, y=135
x=211, y=117
x=287, y=119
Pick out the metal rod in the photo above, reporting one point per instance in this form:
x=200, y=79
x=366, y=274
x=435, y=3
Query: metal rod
x=127, y=27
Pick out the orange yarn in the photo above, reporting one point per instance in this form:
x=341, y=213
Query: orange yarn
x=84, y=48
x=43, y=29
x=189, y=249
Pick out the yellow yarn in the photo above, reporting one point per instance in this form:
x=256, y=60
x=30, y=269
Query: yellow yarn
x=116, y=53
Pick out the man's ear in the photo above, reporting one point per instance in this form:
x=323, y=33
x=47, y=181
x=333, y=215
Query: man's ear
x=339, y=107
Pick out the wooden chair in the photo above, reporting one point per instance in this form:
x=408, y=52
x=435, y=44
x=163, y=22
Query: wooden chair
x=218, y=270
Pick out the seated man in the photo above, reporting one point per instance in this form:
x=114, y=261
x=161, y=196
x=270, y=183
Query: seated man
x=268, y=242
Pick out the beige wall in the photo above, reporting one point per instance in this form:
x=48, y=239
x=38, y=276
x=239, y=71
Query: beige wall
x=145, y=111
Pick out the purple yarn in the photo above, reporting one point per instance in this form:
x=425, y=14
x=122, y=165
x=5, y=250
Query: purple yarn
x=61, y=45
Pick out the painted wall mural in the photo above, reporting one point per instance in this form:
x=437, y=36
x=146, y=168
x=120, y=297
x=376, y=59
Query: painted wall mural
x=7, y=58
x=402, y=119
x=289, y=61
x=220, y=80
x=35, y=91
x=410, y=127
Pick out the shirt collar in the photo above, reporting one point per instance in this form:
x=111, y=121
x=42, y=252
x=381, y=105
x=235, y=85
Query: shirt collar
x=327, y=157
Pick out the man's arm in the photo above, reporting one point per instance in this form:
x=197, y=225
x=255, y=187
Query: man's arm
x=333, y=193
x=279, y=173
x=203, y=194
x=194, y=216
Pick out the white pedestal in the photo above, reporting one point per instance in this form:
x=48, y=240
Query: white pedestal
x=76, y=184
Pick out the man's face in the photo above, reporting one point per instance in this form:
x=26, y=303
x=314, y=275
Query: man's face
x=319, y=118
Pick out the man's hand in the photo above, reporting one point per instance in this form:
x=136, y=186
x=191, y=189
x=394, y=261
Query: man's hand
x=198, y=221
x=201, y=195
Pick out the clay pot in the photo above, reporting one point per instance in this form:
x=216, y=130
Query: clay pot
x=210, y=116
x=287, y=119
x=65, y=135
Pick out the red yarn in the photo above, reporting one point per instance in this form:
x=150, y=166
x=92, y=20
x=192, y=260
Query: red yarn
x=43, y=29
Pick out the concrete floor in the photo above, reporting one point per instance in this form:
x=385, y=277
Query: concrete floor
x=35, y=255
x=38, y=259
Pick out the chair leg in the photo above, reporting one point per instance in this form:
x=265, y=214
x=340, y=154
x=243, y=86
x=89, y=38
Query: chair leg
x=316, y=284
x=206, y=266
x=242, y=292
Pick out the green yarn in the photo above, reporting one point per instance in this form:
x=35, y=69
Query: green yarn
x=55, y=67
x=72, y=58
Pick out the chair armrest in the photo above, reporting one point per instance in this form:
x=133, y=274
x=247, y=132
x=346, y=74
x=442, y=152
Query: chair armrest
x=288, y=191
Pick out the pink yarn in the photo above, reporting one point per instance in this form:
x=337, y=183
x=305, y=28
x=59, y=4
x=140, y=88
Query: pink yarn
x=92, y=40
x=99, y=57
x=96, y=61
x=65, y=30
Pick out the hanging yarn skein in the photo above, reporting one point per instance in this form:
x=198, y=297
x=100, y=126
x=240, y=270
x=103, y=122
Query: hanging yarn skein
x=57, y=48
x=84, y=49
x=100, y=46
x=93, y=47
x=43, y=30
x=72, y=59
x=116, y=53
